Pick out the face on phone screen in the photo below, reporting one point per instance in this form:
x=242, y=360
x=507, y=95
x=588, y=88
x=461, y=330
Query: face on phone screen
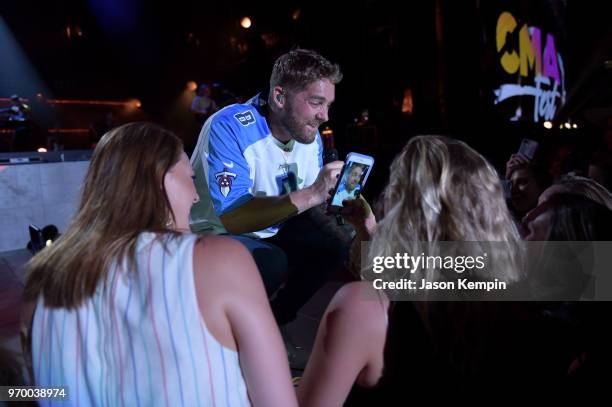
x=351, y=182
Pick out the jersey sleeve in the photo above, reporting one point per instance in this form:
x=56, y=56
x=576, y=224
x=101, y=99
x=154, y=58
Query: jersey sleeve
x=229, y=177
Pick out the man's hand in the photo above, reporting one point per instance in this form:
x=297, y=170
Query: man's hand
x=326, y=181
x=262, y=212
x=319, y=191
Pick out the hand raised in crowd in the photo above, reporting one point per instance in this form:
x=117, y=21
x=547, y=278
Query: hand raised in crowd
x=516, y=161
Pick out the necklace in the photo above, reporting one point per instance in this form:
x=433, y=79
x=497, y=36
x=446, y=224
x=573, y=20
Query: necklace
x=286, y=149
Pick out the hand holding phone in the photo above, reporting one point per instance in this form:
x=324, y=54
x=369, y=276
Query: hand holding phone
x=353, y=177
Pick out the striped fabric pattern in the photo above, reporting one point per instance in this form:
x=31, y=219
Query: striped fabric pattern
x=140, y=340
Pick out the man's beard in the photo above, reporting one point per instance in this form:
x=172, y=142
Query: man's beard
x=299, y=132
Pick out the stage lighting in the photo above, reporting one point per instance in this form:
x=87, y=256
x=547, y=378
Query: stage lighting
x=568, y=125
x=407, y=102
x=245, y=22
x=192, y=86
x=548, y=124
x=42, y=150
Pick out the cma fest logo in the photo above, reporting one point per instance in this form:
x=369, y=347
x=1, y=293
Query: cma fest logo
x=544, y=65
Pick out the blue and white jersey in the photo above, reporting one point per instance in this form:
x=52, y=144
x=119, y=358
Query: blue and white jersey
x=237, y=158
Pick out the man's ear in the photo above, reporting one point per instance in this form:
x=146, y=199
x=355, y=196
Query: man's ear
x=278, y=97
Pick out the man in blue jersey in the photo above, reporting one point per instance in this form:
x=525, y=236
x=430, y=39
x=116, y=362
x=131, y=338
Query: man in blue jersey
x=259, y=164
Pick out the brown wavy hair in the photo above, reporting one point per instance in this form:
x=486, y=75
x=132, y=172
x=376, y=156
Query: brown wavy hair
x=123, y=195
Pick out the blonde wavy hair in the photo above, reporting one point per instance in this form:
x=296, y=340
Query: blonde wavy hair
x=440, y=189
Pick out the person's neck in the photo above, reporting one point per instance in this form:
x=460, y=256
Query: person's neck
x=279, y=131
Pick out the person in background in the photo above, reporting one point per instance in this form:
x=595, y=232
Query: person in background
x=203, y=105
x=528, y=178
x=19, y=118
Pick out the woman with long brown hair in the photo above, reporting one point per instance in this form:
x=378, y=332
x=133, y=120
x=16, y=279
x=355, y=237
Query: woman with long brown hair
x=132, y=309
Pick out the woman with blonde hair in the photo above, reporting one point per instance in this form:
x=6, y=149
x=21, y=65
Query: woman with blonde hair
x=440, y=190
x=132, y=309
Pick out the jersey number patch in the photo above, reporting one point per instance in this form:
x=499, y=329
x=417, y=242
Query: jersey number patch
x=245, y=118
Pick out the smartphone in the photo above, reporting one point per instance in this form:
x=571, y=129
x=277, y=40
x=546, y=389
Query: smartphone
x=353, y=177
x=528, y=148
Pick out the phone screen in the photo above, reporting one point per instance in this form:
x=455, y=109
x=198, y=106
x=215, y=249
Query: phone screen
x=351, y=182
x=528, y=148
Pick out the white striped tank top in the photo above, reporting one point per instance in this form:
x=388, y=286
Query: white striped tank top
x=139, y=342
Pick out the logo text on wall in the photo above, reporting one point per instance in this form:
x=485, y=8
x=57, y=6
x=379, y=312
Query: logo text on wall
x=540, y=70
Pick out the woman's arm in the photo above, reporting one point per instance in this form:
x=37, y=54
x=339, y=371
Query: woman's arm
x=236, y=310
x=348, y=348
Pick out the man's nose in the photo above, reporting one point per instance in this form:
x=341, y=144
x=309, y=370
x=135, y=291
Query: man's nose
x=322, y=115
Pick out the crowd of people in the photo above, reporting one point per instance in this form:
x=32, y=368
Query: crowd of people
x=177, y=277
